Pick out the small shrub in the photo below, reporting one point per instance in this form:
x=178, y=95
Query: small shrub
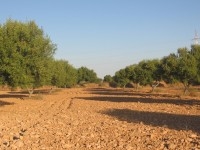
x=130, y=85
x=113, y=84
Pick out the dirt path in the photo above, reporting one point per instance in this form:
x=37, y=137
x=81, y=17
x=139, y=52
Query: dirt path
x=98, y=118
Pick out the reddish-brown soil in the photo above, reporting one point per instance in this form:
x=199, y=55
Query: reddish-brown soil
x=100, y=118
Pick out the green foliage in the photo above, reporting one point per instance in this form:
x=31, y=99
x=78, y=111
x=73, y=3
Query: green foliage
x=121, y=77
x=26, y=59
x=113, y=84
x=182, y=67
x=87, y=75
x=146, y=72
x=195, y=51
x=71, y=76
x=59, y=73
x=108, y=78
x=187, y=70
x=25, y=53
x=64, y=75
x=169, y=68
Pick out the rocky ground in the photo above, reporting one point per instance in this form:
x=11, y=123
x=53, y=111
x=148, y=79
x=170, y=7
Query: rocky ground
x=99, y=118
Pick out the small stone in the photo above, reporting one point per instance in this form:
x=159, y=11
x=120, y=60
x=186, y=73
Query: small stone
x=189, y=139
x=58, y=133
x=193, y=136
x=162, y=145
x=92, y=135
x=151, y=136
x=165, y=132
x=128, y=147
x=67, y=146
x=6, y=143
x=21, y=137
x=23, y=130
x=182, y=140
x=16, y=137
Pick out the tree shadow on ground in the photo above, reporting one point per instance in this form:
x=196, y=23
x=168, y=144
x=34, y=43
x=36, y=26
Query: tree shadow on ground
x=141, y=100
x=105, y=91
x=9, y=95
x=23, y=94
x=2, y=103
x=111, y=92
x=117, y=95
x=171, y=121
x=36, y=91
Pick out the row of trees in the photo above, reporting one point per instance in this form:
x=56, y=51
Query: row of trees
x=183, y=67
x=27, y=59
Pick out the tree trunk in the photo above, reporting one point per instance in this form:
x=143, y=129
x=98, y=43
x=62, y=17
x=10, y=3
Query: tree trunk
x=137, y=86
x=51, y=90
x=154, y=86
x=124, y=87
x=30, y=91
x=186, y=87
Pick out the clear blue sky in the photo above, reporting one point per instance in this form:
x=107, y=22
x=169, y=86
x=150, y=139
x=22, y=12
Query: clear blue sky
x=108, y=35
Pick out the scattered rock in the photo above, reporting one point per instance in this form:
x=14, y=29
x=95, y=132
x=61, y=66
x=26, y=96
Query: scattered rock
x=66, y=146
x=49, y=124
x=193, y=136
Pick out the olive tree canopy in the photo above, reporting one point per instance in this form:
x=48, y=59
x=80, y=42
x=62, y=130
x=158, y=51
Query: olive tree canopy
x=25, y=54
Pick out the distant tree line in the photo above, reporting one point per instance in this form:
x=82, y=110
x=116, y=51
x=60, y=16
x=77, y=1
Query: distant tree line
x=182, y=67
x=27, y=59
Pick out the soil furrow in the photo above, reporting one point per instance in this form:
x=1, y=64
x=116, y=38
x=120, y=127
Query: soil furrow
x=100, y=118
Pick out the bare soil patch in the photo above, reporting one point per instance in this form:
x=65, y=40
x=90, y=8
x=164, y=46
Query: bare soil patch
x=100, y=118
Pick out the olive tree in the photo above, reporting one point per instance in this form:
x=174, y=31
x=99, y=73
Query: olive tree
x=87, y=75
x=121, y=78
x=195, y=51
x=180, y=67
x=25, y=55
x=146, y=72
x=187, y=68
x=108, y=78
x=64, y=75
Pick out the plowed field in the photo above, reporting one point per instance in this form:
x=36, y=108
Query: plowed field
x=99, y=118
